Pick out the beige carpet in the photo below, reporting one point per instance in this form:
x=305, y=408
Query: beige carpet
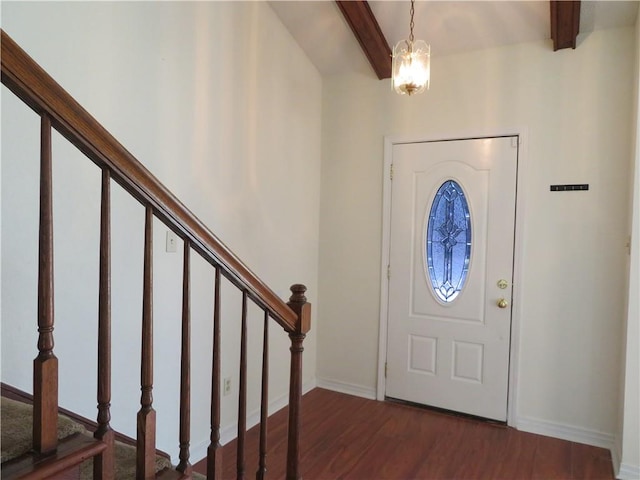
x=16, y=439
x=125, y=463
x=17, y=421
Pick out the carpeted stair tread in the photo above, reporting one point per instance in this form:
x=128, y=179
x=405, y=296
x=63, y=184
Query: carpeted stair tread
x=125, y=464
x=17, y=421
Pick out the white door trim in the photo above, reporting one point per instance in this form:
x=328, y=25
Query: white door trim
x=516, y=313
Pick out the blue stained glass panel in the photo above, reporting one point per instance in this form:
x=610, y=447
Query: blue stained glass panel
x=448, y=241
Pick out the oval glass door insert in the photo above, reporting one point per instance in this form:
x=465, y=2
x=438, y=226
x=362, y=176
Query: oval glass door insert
x=448, y=241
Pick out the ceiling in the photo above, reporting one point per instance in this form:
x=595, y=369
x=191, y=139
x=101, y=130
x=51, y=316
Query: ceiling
x=449, y=26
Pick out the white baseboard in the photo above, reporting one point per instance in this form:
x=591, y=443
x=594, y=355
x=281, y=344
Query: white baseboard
x=623, y=471
x=615, y=457
x=566, y=432
x=348, y=388
x=628, y=472
x=230, y=432
x=581, y=435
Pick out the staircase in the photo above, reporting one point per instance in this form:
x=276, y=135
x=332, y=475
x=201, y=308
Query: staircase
x=17, y=421
x=59, y=449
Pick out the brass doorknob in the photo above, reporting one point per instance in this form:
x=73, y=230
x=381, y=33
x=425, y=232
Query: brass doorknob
x=502, y=303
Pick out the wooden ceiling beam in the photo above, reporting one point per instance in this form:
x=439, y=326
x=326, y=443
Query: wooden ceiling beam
x=565, y=23
x=365, y=27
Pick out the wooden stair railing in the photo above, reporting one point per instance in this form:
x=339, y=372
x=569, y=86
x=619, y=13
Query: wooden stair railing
x=58, y=110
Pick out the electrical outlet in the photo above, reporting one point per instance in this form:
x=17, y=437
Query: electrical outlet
x=226, y=386
x=172, y=241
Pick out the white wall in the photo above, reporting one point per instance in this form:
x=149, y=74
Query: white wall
x=575, y=106
x=220, y=103
x=629, y=431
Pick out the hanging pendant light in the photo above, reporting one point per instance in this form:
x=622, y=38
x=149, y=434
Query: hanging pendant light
x=411, y=64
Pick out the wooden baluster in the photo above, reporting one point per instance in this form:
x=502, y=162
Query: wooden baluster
x=185, y=366
x=298, y=303
x=45, y=365
x=103, y=464
x=242, y=391
x=146, y=437
x=264, y=406
x=214, y=451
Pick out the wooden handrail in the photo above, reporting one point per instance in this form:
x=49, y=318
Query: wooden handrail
x=24, y=77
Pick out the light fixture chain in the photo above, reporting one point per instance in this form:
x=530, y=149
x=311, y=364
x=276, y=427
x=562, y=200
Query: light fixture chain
x=411, y=24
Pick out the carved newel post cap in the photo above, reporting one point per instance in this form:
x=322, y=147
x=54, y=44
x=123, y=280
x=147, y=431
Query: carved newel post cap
x=297, y=293
x=298, y=303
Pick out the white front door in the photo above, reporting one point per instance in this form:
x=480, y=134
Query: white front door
x=451, y=268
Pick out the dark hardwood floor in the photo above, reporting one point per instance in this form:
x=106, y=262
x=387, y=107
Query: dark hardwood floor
x=346, y=437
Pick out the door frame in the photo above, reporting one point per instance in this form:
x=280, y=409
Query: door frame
x=516, y=309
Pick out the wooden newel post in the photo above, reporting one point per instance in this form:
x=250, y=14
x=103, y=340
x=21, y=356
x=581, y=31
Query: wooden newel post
x=297, y=303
